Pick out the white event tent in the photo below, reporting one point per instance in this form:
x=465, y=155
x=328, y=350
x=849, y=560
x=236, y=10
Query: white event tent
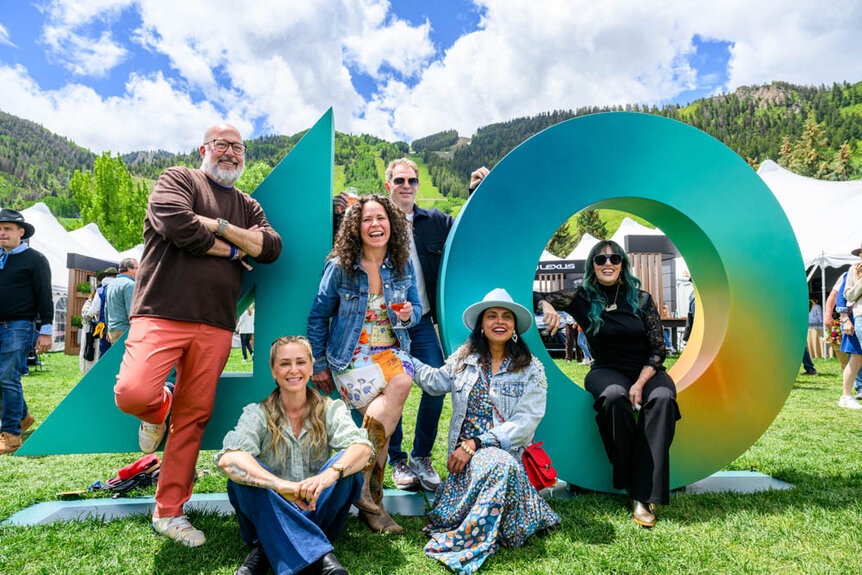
x=816, y=210
x=582, y=250
x=52, y=240
x=821, y=215
x=95, y=243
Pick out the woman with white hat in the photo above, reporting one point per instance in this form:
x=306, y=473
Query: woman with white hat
x=498, y=399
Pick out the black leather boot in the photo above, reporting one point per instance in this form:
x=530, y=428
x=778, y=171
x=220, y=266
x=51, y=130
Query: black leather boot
x=255, y=563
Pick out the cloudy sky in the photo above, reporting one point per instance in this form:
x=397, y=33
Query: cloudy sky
x=123, y=75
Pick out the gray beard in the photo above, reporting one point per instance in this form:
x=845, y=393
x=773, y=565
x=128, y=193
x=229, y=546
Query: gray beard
x=223, y=176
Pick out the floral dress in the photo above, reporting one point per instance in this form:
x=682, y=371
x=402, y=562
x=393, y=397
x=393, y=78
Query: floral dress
x=491, y=503
x=376, y=359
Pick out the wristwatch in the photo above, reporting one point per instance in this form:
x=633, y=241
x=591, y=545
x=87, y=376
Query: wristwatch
x=222, y=225
x=339, y=468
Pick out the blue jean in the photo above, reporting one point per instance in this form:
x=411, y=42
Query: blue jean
x=807, y=364
x=245, y=344
x=16, y=338
x=292, y=538
x=425, y=346
x=582, y=343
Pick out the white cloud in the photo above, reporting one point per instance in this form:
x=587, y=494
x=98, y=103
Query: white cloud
x=398, y=45
x=77, y=38
x=5, y=38
x=279, y=66
x=150, y=116
x=565, y=54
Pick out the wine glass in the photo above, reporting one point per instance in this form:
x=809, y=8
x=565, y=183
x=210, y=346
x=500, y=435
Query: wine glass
x=398, y=300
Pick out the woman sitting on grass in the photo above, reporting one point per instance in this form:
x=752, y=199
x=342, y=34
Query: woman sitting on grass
x=498, y=399
x=291, y=495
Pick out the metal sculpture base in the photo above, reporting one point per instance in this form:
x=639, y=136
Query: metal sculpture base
x=407, y=503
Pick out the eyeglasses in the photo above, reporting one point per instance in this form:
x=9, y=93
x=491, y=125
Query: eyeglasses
x=221, y=146
x=412, y=182
x=602, y=259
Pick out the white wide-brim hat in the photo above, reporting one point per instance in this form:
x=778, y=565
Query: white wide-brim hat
x=498, y=297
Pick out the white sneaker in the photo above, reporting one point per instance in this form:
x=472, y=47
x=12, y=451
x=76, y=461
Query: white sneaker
x=849, y=402
x=428, y=477
x=150, y=435
x=586, y=361
x=403, y=476
x=180, y=530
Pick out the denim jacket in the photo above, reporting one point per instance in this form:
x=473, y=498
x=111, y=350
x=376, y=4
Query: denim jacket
x=519, y=396
x=338, y=312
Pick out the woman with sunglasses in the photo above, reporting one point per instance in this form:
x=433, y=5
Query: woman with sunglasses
x=627, y=377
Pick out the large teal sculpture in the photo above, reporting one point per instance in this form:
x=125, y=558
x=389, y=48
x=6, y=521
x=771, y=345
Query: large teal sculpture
x=297, y=198
x=733, y=377
x=735, y=373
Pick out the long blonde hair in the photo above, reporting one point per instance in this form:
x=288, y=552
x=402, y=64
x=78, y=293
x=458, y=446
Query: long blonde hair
x=315, y=406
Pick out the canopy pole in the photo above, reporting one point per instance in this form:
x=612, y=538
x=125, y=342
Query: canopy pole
x=823, y=303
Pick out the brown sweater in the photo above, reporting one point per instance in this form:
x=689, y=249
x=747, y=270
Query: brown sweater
x=176, y=279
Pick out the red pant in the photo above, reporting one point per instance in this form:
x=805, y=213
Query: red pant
x=199, y=352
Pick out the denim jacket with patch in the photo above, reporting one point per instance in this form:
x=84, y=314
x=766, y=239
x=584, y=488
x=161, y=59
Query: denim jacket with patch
x=338, y=312
x=519, y=397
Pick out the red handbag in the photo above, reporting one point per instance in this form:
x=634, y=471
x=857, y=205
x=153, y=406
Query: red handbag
x=540, y=471
x=537, y=462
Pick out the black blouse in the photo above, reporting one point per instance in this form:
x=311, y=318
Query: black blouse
x=628, y=339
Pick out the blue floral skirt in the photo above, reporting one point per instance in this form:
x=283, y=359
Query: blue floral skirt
x=491, y=503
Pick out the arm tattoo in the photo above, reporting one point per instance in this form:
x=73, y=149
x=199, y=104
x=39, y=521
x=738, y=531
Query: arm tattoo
x=241, y=475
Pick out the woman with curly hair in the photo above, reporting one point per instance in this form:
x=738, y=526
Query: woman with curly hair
x=624, y=333
x=358, y=331
x=290, y=493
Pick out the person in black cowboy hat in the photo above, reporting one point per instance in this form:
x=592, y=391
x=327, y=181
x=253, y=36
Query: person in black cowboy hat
x=25, y=295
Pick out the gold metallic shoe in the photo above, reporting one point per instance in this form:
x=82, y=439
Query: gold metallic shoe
x=642, y=513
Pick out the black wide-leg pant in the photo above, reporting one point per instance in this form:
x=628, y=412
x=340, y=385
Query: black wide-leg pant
x=638, y=449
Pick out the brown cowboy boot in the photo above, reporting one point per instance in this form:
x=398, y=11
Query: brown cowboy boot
x=370, y=502
x=376, y=487
x=376, y=435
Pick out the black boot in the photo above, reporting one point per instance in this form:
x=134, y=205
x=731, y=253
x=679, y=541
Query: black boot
x=255, y=563
x=330, y=565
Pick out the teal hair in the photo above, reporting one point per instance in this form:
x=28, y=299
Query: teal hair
x=629, y=284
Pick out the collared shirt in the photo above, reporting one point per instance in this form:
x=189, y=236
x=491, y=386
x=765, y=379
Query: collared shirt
x=118, y=302
x=417, y=269
x=299, y=460
x=4, y=254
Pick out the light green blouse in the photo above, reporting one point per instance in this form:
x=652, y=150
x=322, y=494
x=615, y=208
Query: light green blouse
x=250, y=435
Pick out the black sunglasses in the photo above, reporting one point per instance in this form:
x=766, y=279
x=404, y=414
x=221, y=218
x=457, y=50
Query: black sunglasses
x=602, y=259
x=413, y=182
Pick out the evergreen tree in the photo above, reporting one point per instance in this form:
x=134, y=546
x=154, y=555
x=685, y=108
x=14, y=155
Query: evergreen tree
x=563, y=241
x=589, y=222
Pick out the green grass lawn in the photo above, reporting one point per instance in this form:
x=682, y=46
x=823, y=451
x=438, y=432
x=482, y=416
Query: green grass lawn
x=811, y=528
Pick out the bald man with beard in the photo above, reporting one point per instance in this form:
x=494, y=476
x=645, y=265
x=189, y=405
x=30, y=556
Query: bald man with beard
x=198, y=231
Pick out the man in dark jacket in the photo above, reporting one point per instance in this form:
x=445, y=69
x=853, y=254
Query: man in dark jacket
x=430, y=230
x=25, y=295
